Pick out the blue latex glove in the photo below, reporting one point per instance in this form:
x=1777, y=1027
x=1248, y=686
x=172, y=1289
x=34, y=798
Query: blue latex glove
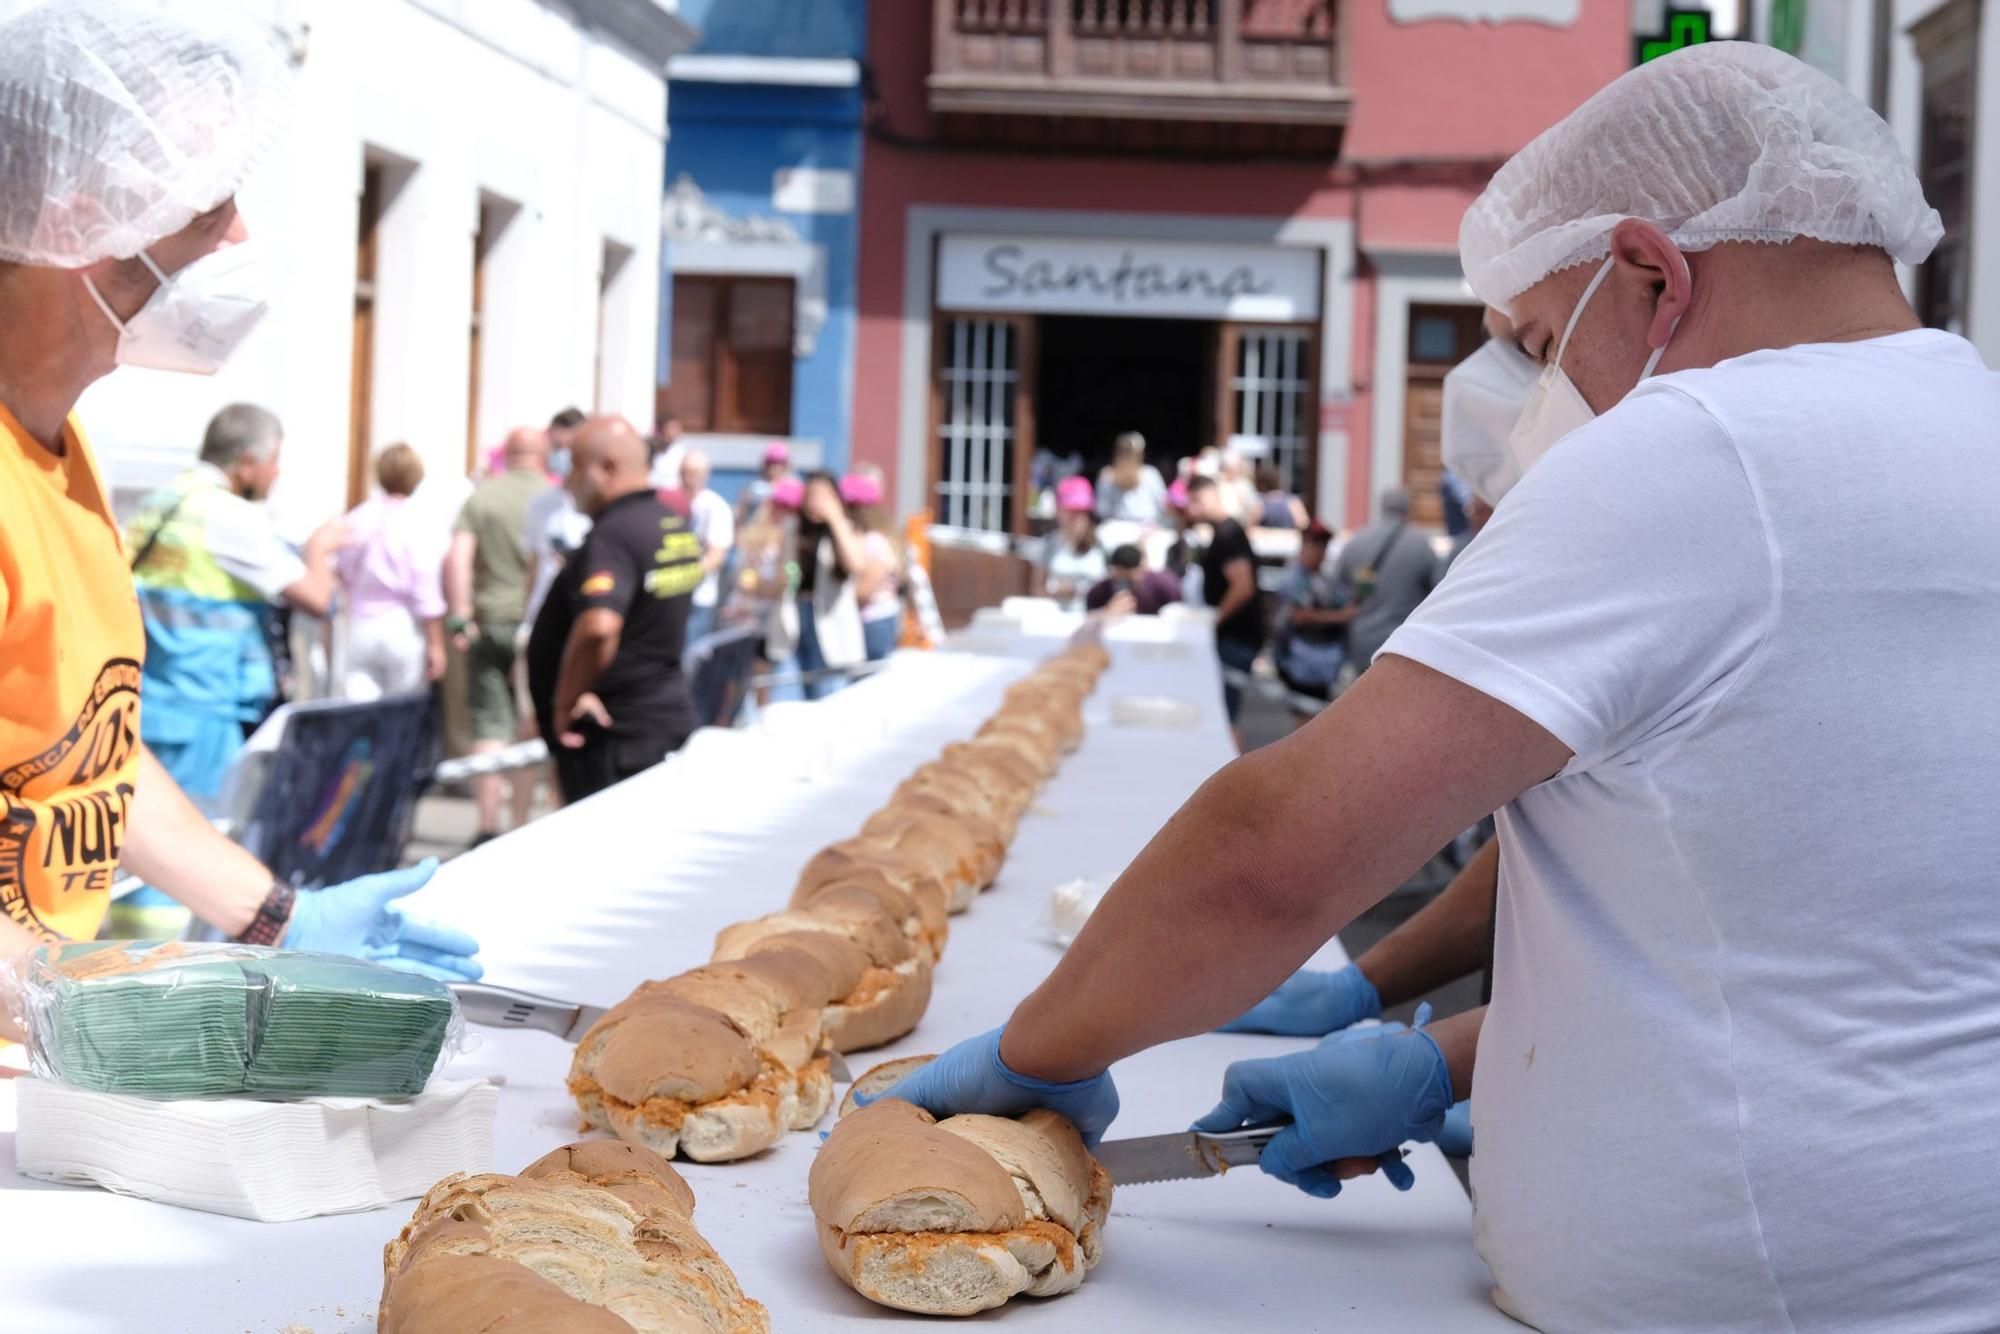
x=360, y=917
x=1358, y=1097
x=1308, y=1004
x=971, y=1077
x=1456, y=1137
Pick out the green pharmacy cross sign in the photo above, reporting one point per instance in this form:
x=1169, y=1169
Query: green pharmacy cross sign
x=1683, y=27
x=1788, y=25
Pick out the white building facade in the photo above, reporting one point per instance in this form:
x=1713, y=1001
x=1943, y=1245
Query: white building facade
x=462, y=223
x=1932, y=69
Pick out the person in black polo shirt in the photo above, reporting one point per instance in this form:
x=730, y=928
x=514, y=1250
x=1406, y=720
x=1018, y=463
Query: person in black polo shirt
x=604, y=660
x=1228, y=584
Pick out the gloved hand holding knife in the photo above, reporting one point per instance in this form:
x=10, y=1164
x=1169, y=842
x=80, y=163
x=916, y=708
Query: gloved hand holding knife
x=1359, y=1094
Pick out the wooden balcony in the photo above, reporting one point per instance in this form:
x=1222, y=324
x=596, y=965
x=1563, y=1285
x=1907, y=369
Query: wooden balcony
x=1274, y=63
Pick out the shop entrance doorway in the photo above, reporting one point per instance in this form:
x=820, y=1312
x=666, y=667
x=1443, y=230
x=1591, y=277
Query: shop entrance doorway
x=1100, y=376
x=1019, y=398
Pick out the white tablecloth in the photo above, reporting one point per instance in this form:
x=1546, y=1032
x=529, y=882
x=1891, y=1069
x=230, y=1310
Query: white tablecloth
x=634, y=884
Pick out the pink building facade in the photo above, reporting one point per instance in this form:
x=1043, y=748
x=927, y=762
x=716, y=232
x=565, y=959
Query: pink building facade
x=1211, y=221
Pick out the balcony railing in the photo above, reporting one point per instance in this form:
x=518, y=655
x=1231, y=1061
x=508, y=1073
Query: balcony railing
x=1271, y=61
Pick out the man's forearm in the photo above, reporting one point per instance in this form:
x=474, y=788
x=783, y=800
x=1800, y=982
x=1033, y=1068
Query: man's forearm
x=586, y=657
x=1443, y=942
x=1270, y=857
x=172, y=846
x=458, y=576
x=1235, y=597
x=1458, y=1038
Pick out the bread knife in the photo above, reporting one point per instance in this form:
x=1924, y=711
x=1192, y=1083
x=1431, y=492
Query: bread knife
x=504, y=1007
x=1184, y=1155
x=1188, y=1154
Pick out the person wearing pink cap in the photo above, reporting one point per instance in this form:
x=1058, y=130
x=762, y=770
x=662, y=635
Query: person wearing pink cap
x=1075, y=560
x=882, y=611
x=775, y=467
x=836, y=575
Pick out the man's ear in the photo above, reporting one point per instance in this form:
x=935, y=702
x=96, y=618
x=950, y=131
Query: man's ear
x=1643, y=251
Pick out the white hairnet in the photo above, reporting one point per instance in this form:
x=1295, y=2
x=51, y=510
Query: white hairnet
x=120, y=124
x=1729, y=141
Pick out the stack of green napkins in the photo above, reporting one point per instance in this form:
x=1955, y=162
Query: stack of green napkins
x=328, y=1026
x=175, y=1020
x=166, y=1033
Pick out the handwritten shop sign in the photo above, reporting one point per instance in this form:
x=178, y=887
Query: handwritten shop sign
x=1093, y=276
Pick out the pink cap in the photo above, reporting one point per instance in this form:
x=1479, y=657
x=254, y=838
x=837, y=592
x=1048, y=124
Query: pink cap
x=1177, y=495
x=1073, y=495
x=788, y=493
x=857, y=489
x=777, y=452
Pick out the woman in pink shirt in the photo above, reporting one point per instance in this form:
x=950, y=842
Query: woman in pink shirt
x=391, y=569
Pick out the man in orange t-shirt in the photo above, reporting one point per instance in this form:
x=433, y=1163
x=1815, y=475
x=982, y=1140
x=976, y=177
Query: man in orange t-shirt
x=128, y=133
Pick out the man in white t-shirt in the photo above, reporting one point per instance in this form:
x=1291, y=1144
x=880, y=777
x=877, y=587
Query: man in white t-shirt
x=1737, y=1070
x=669, y=453
x=712, y=521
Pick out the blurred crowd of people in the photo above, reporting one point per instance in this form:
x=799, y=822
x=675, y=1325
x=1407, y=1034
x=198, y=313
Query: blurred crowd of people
x=570, y=595
x=1131, y=542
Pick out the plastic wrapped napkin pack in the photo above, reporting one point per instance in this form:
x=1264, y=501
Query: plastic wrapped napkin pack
x=173, y=1019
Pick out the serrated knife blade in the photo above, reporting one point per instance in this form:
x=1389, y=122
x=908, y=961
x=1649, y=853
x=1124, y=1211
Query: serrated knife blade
x=1183, y=1155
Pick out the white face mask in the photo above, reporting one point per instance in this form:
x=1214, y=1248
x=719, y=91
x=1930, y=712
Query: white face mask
x=196, y=317
x=1484, y=396
x=1556, y=408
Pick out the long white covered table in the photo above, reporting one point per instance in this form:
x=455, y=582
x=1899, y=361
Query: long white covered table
x=634, y=884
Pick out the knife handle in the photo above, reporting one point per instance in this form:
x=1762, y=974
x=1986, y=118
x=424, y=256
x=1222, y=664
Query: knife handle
x=503, y=1007
x=1242, y=1146
x=1245, y=1145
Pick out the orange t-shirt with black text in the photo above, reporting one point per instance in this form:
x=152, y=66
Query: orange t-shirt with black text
x=71, y=646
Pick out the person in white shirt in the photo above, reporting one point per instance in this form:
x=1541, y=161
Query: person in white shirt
x=670, y=452
x=1736, y=1072
x=714, y=523
x=1130, y=490
x=1073, y=559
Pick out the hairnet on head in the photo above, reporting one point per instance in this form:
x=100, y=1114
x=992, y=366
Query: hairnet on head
x=1730, y=141
x=121, y=122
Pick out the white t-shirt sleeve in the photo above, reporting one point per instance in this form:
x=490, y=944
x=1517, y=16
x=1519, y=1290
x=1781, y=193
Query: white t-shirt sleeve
x=243, y=542
x=713, y=522
x=1618, y=590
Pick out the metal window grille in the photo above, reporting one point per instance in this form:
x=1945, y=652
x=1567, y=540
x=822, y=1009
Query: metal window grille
x=1270, y=386
x=976, y=432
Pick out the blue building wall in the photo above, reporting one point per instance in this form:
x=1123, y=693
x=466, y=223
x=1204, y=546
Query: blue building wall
x=732, y=139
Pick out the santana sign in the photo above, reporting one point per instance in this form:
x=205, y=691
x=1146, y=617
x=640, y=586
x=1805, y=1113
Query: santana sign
x=1088, y=276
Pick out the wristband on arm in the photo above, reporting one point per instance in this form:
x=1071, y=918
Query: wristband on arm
x=273, y=916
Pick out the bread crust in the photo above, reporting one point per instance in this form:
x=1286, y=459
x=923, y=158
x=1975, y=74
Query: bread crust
x=594, y=1237
x=956, y=1216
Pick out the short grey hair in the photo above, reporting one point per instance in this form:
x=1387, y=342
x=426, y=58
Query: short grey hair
x=1395, y=503
x=241, y=431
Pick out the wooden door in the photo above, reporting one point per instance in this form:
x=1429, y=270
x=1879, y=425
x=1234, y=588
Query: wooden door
x=1440, y=336
x=361, y=381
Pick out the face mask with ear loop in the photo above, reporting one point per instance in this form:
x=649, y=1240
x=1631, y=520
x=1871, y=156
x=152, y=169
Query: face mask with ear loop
x=197, y=317
x=1557, y=407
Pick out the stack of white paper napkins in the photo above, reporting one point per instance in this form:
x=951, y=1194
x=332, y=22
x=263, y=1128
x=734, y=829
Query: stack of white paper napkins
x=272, y=1161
